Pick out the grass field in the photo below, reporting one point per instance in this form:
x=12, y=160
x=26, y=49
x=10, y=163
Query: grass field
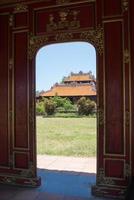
x=66, y=136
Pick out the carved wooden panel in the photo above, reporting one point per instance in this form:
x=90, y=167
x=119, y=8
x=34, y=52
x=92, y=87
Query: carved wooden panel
x=4, y=96
x=21, y=160
x=21, y=134
x=114, y=105
x=117, y=167
x=68, y=18
x=21, y=20
x=112, y=7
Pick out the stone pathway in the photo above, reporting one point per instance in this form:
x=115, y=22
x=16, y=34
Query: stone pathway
x=64, y=163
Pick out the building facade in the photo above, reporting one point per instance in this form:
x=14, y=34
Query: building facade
x=74, y=87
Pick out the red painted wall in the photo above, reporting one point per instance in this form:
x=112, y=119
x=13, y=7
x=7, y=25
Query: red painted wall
x=26, y=27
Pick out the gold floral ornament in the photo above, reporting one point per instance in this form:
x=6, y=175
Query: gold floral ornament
x=125, y=5
x=36, y=42
x=63, y=16
x=96, y=37
x=28, y=173
x=63, y=37
x=21, y=7
x=75, y=23
x=10, y=180
x=11, y=20
x=127, y=170
x=67, y=20
x=102, y=180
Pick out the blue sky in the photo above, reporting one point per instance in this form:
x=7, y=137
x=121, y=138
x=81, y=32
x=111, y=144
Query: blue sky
x=55, y=61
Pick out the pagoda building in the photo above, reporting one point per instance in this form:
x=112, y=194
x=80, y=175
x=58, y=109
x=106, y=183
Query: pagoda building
x=75, y=86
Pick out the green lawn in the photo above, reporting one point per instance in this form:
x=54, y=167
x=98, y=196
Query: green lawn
x=66, y=136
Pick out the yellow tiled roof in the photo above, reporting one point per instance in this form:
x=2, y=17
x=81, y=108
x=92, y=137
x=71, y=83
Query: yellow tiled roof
x=70, y=90
x=73, y=78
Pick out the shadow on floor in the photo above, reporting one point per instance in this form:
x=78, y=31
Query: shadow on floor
x=76, y=184
x=56, y=185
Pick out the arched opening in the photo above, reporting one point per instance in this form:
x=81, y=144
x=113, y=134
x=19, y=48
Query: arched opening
x=66, y=138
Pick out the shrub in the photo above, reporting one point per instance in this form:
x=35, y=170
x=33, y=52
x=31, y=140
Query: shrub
x=63, y=103
x=59, y=101
x=50, y=107
x=85, y=106
x=40, y=108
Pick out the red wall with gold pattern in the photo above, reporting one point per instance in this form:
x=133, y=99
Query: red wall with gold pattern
x=27, y=26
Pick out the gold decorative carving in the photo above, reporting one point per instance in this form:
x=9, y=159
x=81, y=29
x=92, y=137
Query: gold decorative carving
x=93, y=36
x=127, y=170
x=10, y=63
x=11, y=161
x=125, y=5
x=11, y=20
x=96, y=37
x=126, y=56
x=28, y=173
x=64, y=36
x=34, y=43
x=63, y=22
x=100, y=114
x=13, y=180
x=21, y=7
x=102, y=180
x=127, y=118
x=8, y=180
x=104, y=191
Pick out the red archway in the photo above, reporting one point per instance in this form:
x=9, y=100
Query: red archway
x=29, y=25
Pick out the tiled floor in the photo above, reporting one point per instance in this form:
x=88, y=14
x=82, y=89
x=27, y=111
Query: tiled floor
x=61, y=180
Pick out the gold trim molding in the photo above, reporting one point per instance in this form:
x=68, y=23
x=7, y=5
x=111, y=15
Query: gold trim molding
x=102, y=180
x=100, y=114
x=96, y=37
x=127, y=118
x=126, y=56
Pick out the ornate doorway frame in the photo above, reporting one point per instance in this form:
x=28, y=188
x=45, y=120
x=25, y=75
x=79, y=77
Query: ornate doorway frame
x=29, y=25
